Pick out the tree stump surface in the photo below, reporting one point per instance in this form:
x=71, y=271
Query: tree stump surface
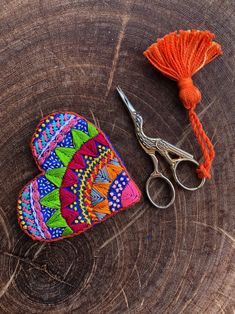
x=70, y=55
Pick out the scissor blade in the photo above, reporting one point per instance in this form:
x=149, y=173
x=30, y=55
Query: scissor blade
x=126, y=101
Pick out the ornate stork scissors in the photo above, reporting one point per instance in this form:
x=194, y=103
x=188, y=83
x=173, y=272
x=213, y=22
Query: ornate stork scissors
x=153, y=145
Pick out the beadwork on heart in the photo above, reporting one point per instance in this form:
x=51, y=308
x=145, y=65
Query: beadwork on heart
x=82, y=180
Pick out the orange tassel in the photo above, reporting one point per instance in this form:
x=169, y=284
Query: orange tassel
x=179, y=55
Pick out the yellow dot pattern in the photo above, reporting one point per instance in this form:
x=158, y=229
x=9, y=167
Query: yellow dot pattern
x=83, y=184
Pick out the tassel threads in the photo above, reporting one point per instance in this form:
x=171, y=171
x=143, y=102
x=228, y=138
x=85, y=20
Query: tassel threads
x=179, y=55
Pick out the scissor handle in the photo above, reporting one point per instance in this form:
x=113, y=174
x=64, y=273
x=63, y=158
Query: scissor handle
x=174, y=167
x=158, y=175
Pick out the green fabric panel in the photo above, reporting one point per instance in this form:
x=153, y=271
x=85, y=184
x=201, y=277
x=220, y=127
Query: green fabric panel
x=67, y=231
x=51, y=200
x=79, y=138
x=92, y=130
x=56, y=221
x=65, y=154
x=55, y=175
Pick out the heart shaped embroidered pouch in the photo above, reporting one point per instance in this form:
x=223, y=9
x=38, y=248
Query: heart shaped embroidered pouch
x=82, y=180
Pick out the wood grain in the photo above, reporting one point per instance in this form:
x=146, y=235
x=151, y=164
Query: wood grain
x=70, y=55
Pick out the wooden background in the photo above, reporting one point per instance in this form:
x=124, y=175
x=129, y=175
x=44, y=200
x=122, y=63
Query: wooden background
x=70, y=55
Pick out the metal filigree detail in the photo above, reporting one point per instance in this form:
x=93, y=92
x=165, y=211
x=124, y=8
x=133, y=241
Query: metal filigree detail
x=146, y=141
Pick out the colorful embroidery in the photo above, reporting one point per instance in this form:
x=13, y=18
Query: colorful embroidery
x=83, y=181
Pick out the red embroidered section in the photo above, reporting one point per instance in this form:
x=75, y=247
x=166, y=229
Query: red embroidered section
x=87, y=149
x=77, y=162
x=66, y=197
x=69, y=179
